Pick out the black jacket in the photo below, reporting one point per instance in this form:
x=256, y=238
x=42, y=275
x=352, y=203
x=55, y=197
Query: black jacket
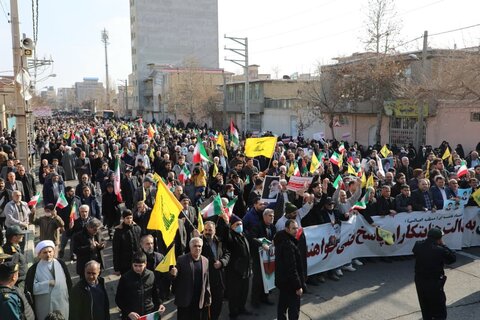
x=137, y=293
x=82, y=247
x=240, y=261
x=81, y=301
x=289, y=273
x=431, y=258
x=216, y=276
x=385, y=205
x=126, y=241
x=418, y=200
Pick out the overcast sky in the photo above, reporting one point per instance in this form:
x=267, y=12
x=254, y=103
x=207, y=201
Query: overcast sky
x=284, y=36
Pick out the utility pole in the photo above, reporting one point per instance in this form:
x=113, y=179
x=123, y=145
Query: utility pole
x=126, y=97
x=243, y=52
x=224, y=113
x=19, y=62
x=420, y=127
x=107, y=85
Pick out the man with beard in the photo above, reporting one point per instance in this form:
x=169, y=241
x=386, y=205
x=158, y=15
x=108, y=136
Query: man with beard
x=162, y=280
x=126, y=241
x=28, y=182
x=218, y=257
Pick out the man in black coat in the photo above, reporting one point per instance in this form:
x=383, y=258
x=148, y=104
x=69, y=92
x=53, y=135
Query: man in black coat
x=126, y=241
x=87, y=245
x=239, y=269
x=28, y=181
x=386, y=203
x=289, y=274
x=431, y=255
x=89, y=298
x=422, y=199
x=128, y=185
x=137, y=294
x=218, y=257
x=264, y=231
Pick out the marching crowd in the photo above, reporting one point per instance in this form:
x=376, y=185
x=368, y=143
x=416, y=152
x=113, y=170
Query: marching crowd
x=118, y=165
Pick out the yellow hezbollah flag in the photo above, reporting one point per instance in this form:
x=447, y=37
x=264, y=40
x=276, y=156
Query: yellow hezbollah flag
x=446, y=154
x=221, y=143
x=386, y=235
x=476, y=196
x=314, y=164
x=351, y=170
x=265, y=146
x=370, y=182
x=200, y=225
x=167, y=261
x=364, y=180
x=384, y=151
x=215, y=170
x=156, y=177
x=165, y=213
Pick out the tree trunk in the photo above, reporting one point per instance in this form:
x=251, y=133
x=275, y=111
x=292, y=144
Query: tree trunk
x=378, y=132
x=331, y=126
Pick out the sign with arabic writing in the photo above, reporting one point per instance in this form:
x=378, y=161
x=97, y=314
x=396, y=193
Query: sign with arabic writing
x=360, y=239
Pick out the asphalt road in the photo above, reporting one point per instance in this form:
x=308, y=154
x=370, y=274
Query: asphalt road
x=377, y=291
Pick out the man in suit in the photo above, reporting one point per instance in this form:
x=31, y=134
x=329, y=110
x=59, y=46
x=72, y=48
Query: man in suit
x=12, y=184
x=192, y=285
x=82, y=165
x=440, y=193
x=422, y=198
x=28, y=181
x=188, y=215
x=218, y=257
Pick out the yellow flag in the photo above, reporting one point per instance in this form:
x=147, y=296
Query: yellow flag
x=260, y=147
x=215, y=170
x=384, y=151
x=152, y=154
x=364, y=180
x=476, y=196
x=167, y=261
x=200, y=226
x=165, y=213
x=221, y=143
x=370, y=182
x=156, y=177
x=351, y=170
x=315, y=163
x=446, y=154
x=386, y=235
x=291, y=170
x=427, y=173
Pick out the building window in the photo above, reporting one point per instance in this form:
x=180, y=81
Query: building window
x=475, y=116
x=231, y=93
x=240, y=94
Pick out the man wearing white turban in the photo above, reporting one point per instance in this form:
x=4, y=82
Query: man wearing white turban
x=48, y=282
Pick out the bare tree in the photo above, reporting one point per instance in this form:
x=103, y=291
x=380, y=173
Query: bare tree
x=321, y=99
x=383, y=26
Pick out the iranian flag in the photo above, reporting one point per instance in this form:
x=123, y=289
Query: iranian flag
x=200, y=154
x=337, y=182
x=151, y=316
x=214, y=208
x=116, y=181
x=184, y=174
x=463, y=169
x=73, y=212
x=362, y=204
x=229, y=208
x=341, y=148
x=234, y=134
x=335, y=158
x=34, y=200
x=62, y=201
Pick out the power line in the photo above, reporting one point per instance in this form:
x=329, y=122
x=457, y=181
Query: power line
x=342, y=32
x=4, y=11
x=280, y=19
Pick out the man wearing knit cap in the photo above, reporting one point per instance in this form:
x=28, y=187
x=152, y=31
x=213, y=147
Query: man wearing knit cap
x=48, y=281
x=239, y=268
x=431, y=255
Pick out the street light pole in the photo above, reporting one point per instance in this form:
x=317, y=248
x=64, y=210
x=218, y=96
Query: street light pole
x=19, y=62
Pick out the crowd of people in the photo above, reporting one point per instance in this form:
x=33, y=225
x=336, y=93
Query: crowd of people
x=115, y=166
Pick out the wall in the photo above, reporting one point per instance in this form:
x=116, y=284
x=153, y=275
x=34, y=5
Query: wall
x=452, y=123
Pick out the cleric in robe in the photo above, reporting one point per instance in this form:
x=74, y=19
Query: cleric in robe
x=48, y=282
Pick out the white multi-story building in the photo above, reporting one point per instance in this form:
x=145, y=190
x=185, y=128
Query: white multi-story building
x=170, y=32
x=66, y=99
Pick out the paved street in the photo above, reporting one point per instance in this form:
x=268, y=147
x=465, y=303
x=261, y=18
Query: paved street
x=375, y=291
